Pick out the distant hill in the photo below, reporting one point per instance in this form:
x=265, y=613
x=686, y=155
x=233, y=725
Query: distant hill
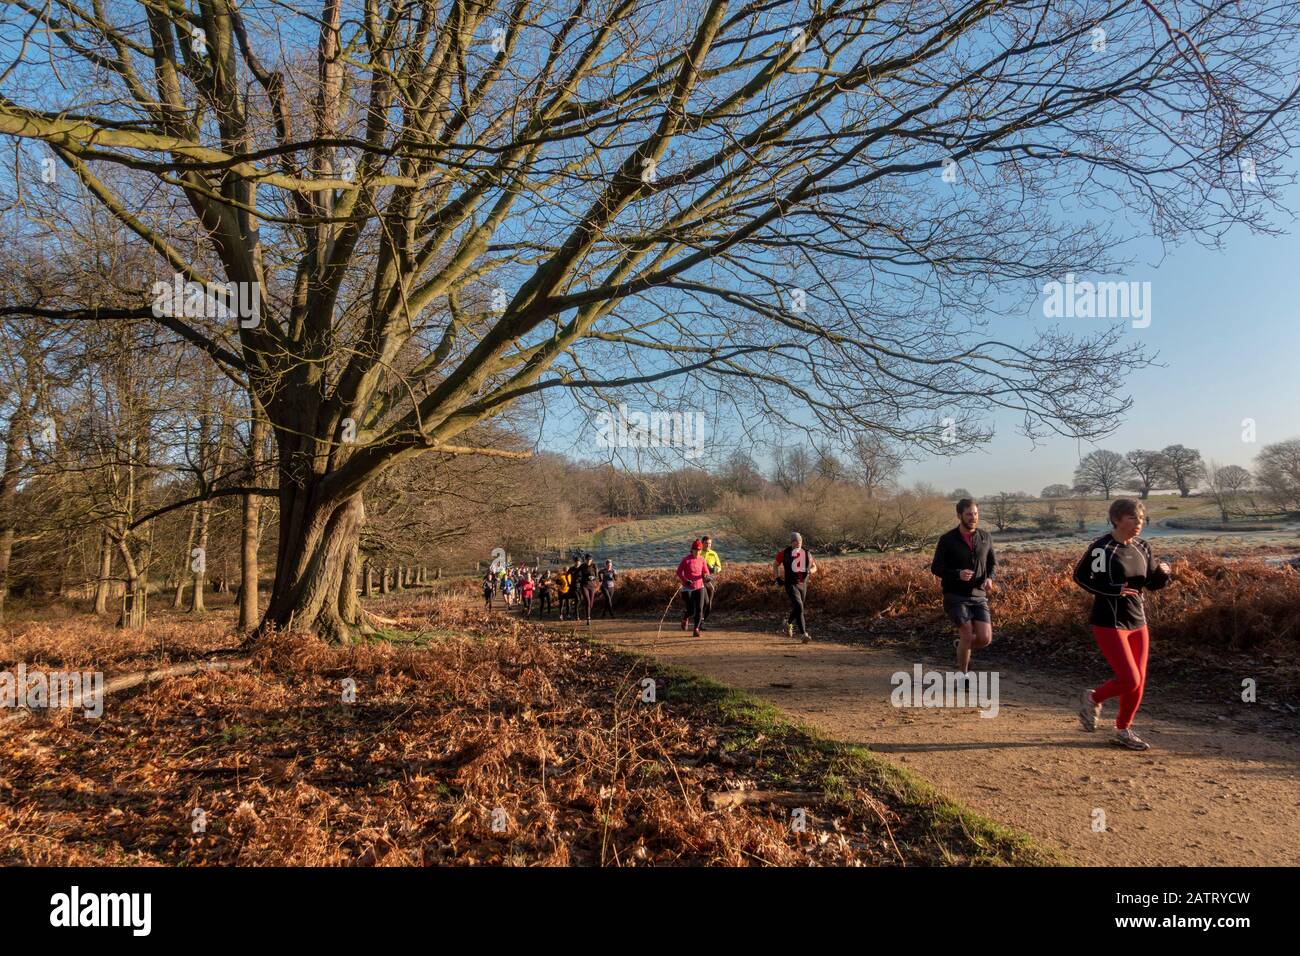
x=659, y=542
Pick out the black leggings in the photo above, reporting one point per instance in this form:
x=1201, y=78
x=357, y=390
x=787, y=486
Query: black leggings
x=589, y=599
x=544, y=603
x=607, y=609
x=709, y=589
x=797, y=593
x=695, y=605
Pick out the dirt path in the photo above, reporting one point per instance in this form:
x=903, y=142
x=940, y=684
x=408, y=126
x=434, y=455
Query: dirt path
x=1214, y=788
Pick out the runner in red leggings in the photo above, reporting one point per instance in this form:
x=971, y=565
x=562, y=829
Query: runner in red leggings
x=1115, y=569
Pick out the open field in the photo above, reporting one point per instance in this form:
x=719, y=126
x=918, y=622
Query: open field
x=654, y=542
x=1186, y=522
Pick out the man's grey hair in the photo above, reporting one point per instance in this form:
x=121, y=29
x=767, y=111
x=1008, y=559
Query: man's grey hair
x=796, y=537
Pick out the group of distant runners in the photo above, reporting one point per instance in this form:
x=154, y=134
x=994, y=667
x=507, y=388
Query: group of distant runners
x=1116, y=569
x=574, y=591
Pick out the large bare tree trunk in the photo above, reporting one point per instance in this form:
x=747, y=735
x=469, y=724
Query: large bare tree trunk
x=315, y=571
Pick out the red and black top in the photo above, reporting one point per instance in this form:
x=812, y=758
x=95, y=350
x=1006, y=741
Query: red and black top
x=797, y=562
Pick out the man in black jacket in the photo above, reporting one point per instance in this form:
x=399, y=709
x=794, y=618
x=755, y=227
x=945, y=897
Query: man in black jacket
x=964, y=562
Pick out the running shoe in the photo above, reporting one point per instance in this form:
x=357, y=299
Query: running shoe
x=806, y=638
x=684, y=620
x=1126, y=738
x=697, y=633
x=1089, y=711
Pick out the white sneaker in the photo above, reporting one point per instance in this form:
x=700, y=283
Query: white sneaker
x=1126, y=738
x=1089, y=711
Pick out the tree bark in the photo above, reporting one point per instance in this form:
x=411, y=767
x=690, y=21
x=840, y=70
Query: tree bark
x=135, y=602
x=103, y=583
x=14, y=441
x=250, y=533
x=313, y=590
x=182, y=576
x=200, y=572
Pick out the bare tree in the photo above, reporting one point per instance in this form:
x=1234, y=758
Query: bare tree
x=875, y=464
x=1225, y=483
x=827, y=466
x=1277, y=469
x=1185, y=467
x=740, y=475
x=1080, y=509
x=444, y=208
x=792, y=467
x=1102, y=471
x=1005, y=508
x=1150, y=470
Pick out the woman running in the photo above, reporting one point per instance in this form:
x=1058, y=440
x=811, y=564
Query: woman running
x=489, y=585
x=691, y=572
x=607, y=578
x=587, y=585
x=1115, y=569
x=526, y=587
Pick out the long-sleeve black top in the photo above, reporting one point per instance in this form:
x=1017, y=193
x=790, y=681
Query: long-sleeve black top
x=952, y=556
x=1107, y=567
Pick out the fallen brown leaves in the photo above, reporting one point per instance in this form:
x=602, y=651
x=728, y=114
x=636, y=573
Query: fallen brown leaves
x=514, y=746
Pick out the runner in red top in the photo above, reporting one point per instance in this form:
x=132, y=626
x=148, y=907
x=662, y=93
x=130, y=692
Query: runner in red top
x=526, y=588
x=691, y=572
x=795, y=565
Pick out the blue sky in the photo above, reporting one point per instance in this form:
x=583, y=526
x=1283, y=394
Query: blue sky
x=1227, y=326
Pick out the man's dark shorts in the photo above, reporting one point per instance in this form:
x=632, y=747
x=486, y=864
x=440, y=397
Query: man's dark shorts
x=961, y=609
